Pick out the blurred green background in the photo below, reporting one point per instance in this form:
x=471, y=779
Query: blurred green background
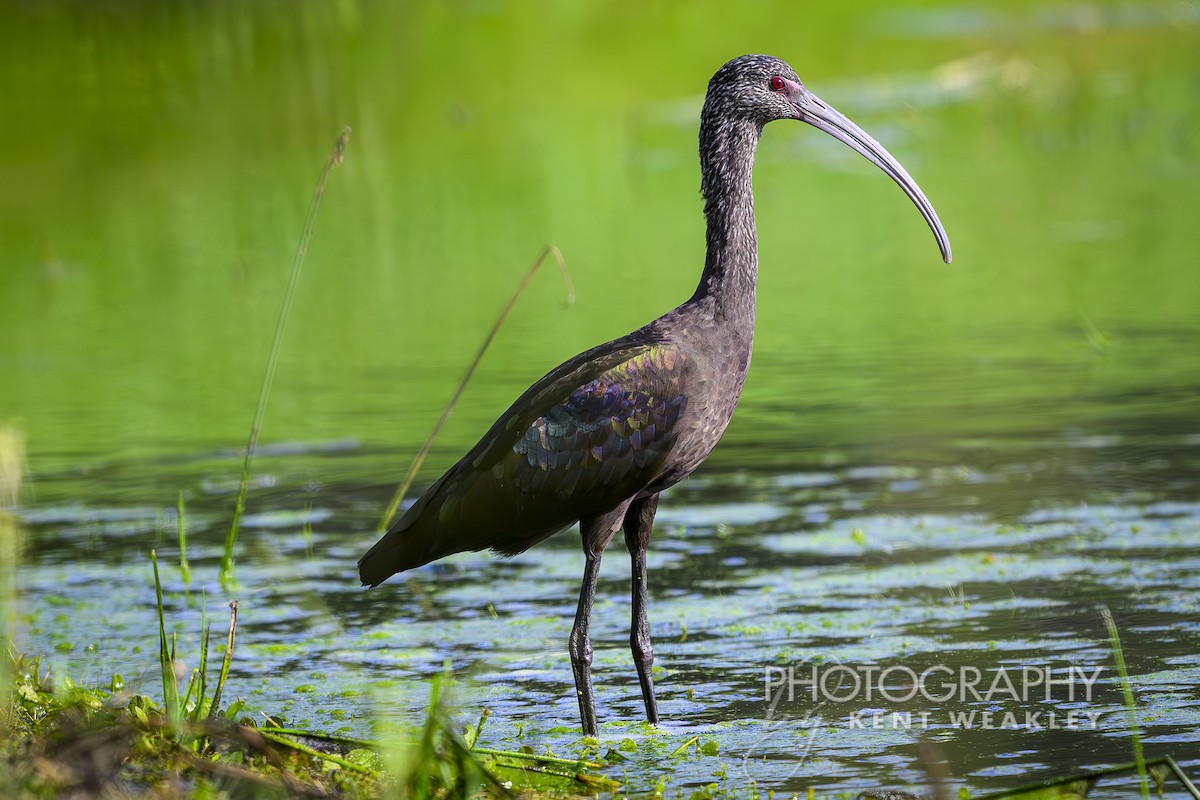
x=158, y=160
x=1018, y=431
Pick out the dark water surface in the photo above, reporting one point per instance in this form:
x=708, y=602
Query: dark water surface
x=933, y=468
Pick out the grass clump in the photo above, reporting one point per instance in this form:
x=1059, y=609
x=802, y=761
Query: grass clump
x=64, y=739
x=71, y=740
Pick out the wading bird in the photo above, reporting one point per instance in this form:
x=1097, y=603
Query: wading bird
x=600, y=436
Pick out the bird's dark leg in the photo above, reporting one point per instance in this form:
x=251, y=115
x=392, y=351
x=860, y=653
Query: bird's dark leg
x=639, y=520
x=597, y=532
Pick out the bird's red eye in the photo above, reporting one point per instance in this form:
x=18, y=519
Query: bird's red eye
x=777, y=84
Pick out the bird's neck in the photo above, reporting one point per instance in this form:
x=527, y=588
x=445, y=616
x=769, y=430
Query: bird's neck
x=731, y=266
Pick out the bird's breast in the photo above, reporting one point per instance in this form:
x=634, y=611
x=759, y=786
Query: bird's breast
x=712, y=395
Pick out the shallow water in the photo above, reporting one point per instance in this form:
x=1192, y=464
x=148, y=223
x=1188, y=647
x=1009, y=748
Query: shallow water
x=931, y=466
x=752, y=573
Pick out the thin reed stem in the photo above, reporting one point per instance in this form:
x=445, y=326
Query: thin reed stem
x=335, y=158
x=166, y=660
x=181, y=524
x=398, y=497
x=216, y=703
x=1127, y=691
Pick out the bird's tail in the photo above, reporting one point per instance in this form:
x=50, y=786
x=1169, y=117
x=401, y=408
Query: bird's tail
x=411, y=541
x=400, y=548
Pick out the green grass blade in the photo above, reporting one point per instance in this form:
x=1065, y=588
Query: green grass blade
x=1130, y=706
x=678, y=751
x=398, y=497
x=193, y=686
x=264, y=391
x=308, y=751
x=472, y=736
x=349, y=741
x=12, y=455
x=181, y=523
x=1182, y=777
x=166, y=663
x=540, y=758
x=198, y=712
x=216, y=703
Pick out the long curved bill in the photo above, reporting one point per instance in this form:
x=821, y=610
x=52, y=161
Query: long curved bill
x=815, y=112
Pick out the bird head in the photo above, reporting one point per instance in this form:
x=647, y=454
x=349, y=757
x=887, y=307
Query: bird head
x=760, y=89
x=753, y=88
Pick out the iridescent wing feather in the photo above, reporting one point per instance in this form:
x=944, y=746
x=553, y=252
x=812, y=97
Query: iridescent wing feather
x=578, y=442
